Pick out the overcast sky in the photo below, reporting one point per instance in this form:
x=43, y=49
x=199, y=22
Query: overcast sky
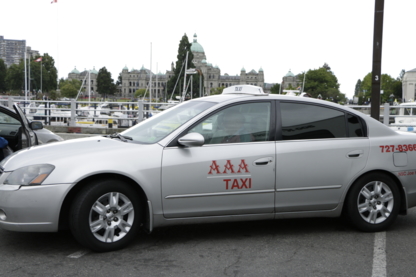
x=275, y=35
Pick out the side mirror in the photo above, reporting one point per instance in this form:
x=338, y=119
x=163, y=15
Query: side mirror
x=36, y=125
x=192, y=139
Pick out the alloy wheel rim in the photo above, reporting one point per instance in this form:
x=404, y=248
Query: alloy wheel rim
x=375, y=202
x=111, y=217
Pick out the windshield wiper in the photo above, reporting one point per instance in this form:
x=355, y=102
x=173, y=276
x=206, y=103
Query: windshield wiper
x=121, y=137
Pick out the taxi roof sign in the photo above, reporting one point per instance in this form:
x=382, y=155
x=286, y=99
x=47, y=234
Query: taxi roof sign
x=244, y=89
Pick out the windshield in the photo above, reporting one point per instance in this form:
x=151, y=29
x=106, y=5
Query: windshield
x=158, y=127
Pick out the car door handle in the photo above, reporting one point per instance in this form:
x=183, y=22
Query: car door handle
x=355, y=154
x=263, y=161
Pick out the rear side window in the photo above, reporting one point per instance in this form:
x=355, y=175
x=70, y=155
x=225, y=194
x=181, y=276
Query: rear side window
x=355, y=126
x=304, y=121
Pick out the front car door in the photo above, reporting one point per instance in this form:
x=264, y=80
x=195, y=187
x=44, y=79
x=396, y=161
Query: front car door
x=231, y=174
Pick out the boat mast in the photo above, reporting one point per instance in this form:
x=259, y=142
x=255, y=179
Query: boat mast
x=184, y=74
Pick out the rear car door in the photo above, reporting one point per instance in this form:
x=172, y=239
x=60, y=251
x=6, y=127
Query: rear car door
x=319, y=151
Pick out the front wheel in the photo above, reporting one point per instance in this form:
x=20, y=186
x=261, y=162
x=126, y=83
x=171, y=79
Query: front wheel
x=373, y=202
x=106, y=215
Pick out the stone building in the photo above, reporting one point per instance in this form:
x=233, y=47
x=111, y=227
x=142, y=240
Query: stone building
x=135, y=79
x=212, y=74
x=12, y=51
x=409, y=86
x=140, y=79
x=85, y=77
x=290, y=80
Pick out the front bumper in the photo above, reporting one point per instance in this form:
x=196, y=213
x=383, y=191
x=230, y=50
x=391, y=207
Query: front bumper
x=31, y=208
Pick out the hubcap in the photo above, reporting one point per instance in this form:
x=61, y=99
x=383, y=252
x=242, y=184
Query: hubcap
x=375, y=202
x=111, y=217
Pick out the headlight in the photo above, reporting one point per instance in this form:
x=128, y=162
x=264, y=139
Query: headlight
x=31, y=175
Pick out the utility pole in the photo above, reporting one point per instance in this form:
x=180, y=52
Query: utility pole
x=377, y=47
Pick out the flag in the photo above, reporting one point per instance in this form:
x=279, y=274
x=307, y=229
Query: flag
x=38, y=59
x=54, y=1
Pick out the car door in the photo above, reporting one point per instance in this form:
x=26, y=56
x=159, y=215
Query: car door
x=231, y=174
x=320, y=150
x=28, y=136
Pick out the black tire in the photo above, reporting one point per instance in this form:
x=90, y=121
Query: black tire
x=116, y=225
x=373, y=202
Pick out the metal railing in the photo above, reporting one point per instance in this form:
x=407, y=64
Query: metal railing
x=392, y=115
x=87, y=113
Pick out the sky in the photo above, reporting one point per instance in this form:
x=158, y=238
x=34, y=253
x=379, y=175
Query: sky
x=274, y=35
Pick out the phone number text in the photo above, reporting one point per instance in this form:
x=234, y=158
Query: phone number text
x=397, y=148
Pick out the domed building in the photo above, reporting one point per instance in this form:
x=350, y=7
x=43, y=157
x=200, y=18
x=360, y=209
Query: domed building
x=135, y=79
x=140, y=79
x=409, y=86
x=290, y=80
x=83, y=77
x=212, y=74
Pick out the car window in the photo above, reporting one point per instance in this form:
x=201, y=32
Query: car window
x=355, y=126
x=158, y=127
x=305, y=121
x=7, y=119
x=240, y=123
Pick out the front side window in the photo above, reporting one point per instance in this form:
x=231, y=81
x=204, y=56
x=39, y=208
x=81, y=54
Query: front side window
x=240, y=123
x=305, y=121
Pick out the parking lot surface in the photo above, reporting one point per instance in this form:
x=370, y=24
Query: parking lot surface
x=295, y=247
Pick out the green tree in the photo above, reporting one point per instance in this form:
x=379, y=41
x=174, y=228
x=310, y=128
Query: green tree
x=275, y=89
x=357, y=88
x=218, y=90
x=105, y=84
x=119, y=80
x=402, y=74
x=139, y=93
x=69, y=88
x=3, y=73
x=322, y=81
x=49, y=74
x=15, y=77
x=389, y=86
x=178, y=77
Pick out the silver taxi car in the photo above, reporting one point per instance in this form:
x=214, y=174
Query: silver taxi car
x=242, y=155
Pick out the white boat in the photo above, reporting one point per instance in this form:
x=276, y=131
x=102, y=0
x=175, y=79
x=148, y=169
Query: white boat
x=404, y=117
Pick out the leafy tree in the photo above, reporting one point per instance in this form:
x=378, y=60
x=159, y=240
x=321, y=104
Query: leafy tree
x=119, y=80
x=357, y=88
x=15, y=77
x=53, y=95
x=322, y=81
x=402, y=74
x=275, y=89
x=184, y=47
x=3, y=72
x=105, y=84
x=69, y=88
x=218, y=90
x=389, y=85
x=49, y=74
x=139, y=93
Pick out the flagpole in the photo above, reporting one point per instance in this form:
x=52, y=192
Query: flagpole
x=41, y=76
x=25, y=78
x=29, y=73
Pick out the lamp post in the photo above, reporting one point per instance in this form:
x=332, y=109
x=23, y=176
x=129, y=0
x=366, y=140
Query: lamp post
x=190, y=71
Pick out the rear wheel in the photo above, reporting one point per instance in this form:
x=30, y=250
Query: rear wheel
x=373, y=202
x=106, y=215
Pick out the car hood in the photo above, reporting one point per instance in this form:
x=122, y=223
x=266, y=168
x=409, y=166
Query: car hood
x=72, y=152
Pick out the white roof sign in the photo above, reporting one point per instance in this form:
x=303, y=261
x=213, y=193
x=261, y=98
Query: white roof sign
x=244, y=89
